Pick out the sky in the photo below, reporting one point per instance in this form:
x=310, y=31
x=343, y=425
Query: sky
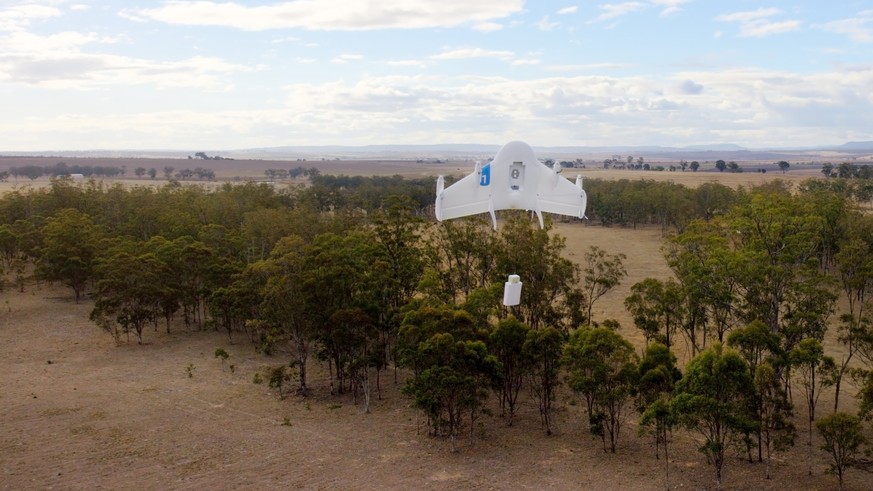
x=213, y=74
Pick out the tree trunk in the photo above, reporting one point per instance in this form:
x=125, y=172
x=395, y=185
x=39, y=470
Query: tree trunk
x=666, y=463
x=365, y=388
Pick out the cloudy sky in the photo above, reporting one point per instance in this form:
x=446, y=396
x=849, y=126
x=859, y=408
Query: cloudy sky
x=212, y=75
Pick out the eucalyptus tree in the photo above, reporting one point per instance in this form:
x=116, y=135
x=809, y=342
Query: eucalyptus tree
x=658, y=375
x=398, y=267
x=657, y=308
x=776, y=430
x=843, y=436
x=452, y=368
x=602, y=272
x=70, y=245
x=543, y=349
x=758, y=345
x=283, y=309
x=462, y=255
x=338, y=276
x=776, y=237
x=854, y=267
x=710, y=401
x=455, y=382
x=128, y=290
x=551, y=295
x=506, y=342
x=815, y=371
x=604, y=367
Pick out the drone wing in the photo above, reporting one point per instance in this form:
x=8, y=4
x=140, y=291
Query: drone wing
x=469, y=196
x=558, y=195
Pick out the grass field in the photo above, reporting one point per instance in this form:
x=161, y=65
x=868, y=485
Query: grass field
x=80, y=412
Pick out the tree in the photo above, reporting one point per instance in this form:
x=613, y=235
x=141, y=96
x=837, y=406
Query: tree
x=400, y=264
x=139, y=171
x=710, y=400
x=704, y=263
x=152, y=173
x=283, y=305
x=843, y=438
x=168, y=172
x=783, y=166
x=855, y=268
x=816, y=372
x=827, y=169
x=694, y=165
x=774, y=412
x=542, y=348
x=758, y=345
x=602, y=272
x=720, y=165
x=128, y=290
x=461, y=253
x=70, y=244
x=604, y=367
x=507, y=344
x=455, y=382
x=660, y=419
x=775, y=237
x=337, y=281
x=656, y=306
x=551, y=296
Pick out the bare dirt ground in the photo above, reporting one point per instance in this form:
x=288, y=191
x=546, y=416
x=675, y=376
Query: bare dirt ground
x=79, y=412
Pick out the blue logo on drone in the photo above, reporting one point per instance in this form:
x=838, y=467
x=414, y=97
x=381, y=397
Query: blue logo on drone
x=485, y=178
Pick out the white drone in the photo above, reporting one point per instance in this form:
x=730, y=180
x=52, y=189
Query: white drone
x=514, y=180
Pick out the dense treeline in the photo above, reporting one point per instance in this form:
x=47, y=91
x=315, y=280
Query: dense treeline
x=62, y=169
x=351, y=271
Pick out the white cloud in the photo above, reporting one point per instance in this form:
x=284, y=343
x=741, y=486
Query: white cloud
x=58, y=61
x=586, y=67
x=545, y=24
x=488, y=27
x=347, y=57
x=859, y=28
x=568, y=10
x=749, y=106
x=526, y=62
x=750, y=15
x=467, y=53
x=613, y=10
x=757, y=23
x=670, y=6
x=407, y=63
x=330, y=15
x=19, y=16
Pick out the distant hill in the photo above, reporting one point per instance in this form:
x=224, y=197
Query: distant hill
x=865, y=146
x=718, y=147
x=465, y=151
